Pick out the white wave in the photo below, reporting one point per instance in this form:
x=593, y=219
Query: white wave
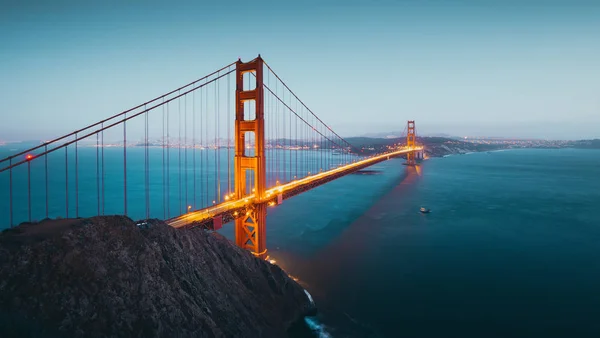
x=313, y=323
x=317, y=327
x=312, y=302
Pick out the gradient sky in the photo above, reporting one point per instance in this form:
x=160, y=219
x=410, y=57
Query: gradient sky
x=477, y=68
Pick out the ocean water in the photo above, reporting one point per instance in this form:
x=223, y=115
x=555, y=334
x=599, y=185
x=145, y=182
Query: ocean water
x=510, y=249
x=54, y=186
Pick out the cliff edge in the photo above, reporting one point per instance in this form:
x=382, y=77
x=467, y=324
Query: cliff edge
x=107, y=277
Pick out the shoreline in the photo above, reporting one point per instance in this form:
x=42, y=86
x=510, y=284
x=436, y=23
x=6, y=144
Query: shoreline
x=111, y=265
x=503, y=149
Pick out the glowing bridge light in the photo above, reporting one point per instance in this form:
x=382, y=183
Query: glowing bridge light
x=29, y=157
x=249, y=206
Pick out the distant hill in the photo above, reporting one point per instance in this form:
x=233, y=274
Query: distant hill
x=587, y=144
x=372, y=141
x=23, y=144
x=10, y=148
x=382, y=135
x=434, y=146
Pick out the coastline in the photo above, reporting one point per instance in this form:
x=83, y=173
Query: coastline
x=157, y=280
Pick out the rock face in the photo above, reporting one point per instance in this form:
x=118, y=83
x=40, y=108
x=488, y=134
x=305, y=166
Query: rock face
x=106, y=277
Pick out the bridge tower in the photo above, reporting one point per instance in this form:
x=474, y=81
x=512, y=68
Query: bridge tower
x=250, y=228
x=411, y=138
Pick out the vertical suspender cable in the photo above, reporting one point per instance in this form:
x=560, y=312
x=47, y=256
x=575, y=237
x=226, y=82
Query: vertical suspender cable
x=267, y=144
x=124, y=165
x=163, y=162
x=179, y=150
x=216, y=163
x=207, y=147
x=321, y=146
x=46, y=170
x=194, y=142
x=228, y=116
x=276, y=127
x=203, y=147
x=306, y=153
x=272, y=114
x=289, y=166
x=97, y=176
x=66, y=182
x=102, y=153
x=29, y=188
x=185, y=166
x=168, y=163
x=284, y=113
x=285, y=137
x=218, y=135
x=76, y=179
x=321, y=139
x=146, y=165
x=296, y=139
x=10, y=191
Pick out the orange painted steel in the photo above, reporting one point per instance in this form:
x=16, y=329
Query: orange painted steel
x=237, y=208
x=248, y=207
x=410, y=142
x=250, y=229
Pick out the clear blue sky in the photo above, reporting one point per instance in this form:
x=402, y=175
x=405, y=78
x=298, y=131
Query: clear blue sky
x=496, y=68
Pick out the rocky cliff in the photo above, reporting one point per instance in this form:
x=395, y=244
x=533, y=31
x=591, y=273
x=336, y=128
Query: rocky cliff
x=107, y=277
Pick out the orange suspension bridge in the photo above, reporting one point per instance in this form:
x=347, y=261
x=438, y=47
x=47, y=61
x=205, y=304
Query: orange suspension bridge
x=208, y=153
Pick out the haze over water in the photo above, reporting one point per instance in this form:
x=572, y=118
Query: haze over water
x=510, y=248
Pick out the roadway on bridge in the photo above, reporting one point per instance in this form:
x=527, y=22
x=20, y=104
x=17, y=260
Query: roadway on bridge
x=203, y=215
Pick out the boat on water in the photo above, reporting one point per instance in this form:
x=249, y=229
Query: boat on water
x=425, y=210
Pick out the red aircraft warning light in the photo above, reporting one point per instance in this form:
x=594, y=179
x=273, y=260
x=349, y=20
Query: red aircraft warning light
x=28, y=157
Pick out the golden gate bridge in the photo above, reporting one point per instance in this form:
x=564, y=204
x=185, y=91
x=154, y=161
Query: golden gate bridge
x=210, y=152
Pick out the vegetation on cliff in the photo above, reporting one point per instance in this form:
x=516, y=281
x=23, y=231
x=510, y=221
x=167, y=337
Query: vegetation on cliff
x=107, y=277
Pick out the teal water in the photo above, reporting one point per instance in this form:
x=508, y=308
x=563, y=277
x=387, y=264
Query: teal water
x=510, y=249
x=177, y=179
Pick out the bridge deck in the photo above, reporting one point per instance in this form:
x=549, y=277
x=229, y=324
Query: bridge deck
x=229, y=210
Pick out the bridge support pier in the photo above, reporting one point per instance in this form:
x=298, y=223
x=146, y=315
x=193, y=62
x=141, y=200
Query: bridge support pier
x=250, y=229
